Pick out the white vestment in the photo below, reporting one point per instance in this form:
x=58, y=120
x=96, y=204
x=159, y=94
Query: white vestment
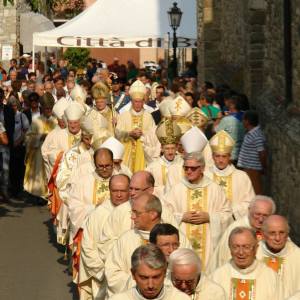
x=55, y=142
x=118, y=261
x=91, y=267
x=176, y=172
x=237, y=186
x=120, y=221
x=205, y=196
x=221, y=254
x=257, y=282
x=286, y=263
x=160, y=168
x=168, y=293
x=85, y=194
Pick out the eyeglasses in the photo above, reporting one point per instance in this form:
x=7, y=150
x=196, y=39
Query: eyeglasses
x=138, y=213
x=169, y=245
x=193, y=169
x=244, y=248
x=131, y=189
x=104, y=167
x=189, y=283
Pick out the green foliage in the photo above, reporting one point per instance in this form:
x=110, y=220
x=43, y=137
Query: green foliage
x=77, y=57
x=8, y=1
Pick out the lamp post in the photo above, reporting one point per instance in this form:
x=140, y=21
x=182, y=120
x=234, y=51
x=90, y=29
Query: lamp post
x=175, y=15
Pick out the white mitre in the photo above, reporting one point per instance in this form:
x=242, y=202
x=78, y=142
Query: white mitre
x=179, y=107
x=115, y=146
x=60, y=107
x=164, y=107
x=193, y=140
x=78, y=94
x=74, y=111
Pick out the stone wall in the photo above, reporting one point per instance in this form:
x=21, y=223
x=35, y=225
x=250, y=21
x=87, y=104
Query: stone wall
x=242, y=43
x=10, y=25
x=280, y=116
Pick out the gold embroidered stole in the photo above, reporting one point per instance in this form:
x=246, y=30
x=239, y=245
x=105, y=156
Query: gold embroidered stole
x=242, y=289
x=101, y=191
x=197, y=201
x=164, y=174
x=226, y=183
x=108, y=116
x=47, y=126
x=275, y=263
x=137, y=151
x=73, y=139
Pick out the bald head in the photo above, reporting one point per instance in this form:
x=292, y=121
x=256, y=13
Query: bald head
x=276, y=231
x=142, y=181
x=259, y=209
x=103, y=159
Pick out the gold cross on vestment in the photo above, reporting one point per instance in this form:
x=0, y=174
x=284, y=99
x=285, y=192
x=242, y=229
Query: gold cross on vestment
x=223, y=183
x=102, y=188
x=197, y=194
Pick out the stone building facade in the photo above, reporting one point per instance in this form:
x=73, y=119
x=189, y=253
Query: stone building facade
x=254, y=46
x=9, y=25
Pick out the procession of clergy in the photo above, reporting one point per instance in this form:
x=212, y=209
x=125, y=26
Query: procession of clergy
x=155, y=211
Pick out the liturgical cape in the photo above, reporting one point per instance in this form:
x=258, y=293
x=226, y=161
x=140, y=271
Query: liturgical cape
x=257, y=282
x=286, y=263
x=134, y=156
x=91, y=267
x=205, y=196
x=237, y=186
x=168, y=293
x=35, y=179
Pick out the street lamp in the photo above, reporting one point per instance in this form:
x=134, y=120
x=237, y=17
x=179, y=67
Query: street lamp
x=175, y=15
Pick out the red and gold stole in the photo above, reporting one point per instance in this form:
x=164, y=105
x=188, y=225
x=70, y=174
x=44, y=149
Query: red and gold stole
x=197, y=201
x=275, y=263
x=242, y=289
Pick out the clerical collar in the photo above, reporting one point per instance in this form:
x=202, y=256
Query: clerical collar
x=281, y=253
x=205, y=181
x=135, y=113
x=225, y=172
x=167, y=162
x=139, y=296
x=142, y=233
x=246, y=270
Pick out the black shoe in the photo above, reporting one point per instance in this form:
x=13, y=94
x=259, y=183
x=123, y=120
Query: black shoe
x=41, y=201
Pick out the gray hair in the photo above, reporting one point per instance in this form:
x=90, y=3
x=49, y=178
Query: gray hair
x=150, y=255
x=153, y=203
x=265, y=225
x=184, y=256
x=258, y=198
x=239, y=230
x=198, y=156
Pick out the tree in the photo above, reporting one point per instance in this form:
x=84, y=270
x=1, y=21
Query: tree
x=77, y=57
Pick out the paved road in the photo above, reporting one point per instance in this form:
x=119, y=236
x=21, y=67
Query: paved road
x=30, y=265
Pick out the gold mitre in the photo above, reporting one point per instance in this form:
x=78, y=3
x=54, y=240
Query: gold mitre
x=137, y=90
x=197, y=117
x=168, y=132
x=100, y=90
x=221, y=143
x=179, y=107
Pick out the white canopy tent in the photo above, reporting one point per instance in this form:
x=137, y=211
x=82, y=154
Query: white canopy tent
x=123, y=24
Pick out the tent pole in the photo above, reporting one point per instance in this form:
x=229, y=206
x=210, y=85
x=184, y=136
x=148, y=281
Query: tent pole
x=33, y=58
